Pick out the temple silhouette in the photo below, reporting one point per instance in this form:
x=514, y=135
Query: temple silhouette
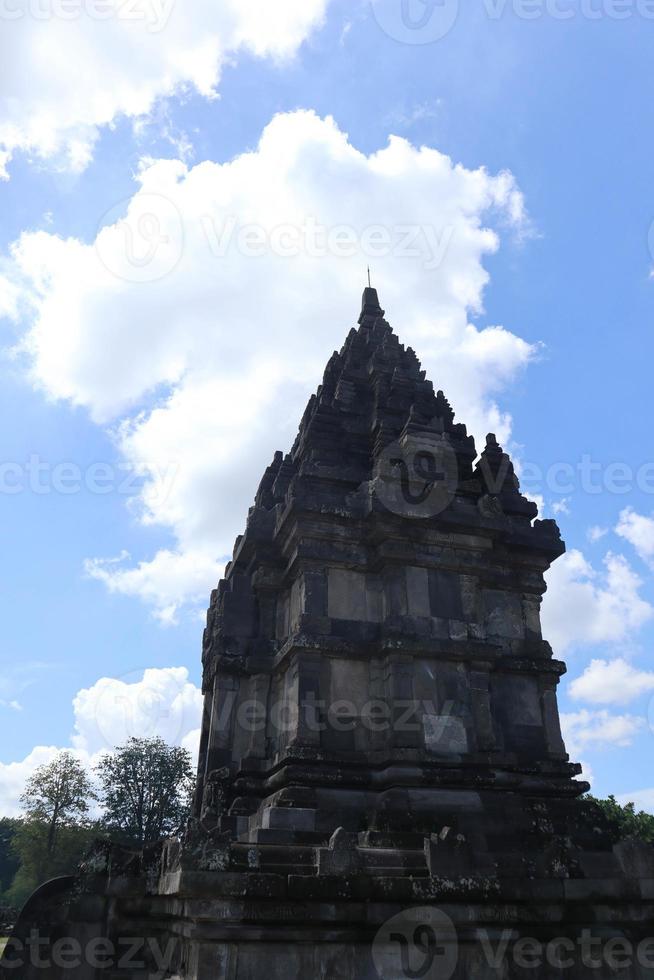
x=383, y=788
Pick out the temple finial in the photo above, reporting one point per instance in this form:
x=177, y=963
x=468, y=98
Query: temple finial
x=369, y=283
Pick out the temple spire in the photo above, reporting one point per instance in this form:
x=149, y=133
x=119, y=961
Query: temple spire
x=370, y=305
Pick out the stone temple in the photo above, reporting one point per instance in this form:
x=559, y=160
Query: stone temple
x=383, y=788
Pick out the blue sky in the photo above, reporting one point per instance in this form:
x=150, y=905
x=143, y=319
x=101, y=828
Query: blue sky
x=562, y=105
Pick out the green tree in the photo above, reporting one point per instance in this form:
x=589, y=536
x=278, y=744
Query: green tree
x=58, y=795
x=56, y=831
x=9, y=860
x=146, y=790
x=627, y=820
x=37, y=865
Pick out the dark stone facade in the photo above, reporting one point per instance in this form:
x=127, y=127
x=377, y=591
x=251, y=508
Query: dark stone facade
x=383, y=788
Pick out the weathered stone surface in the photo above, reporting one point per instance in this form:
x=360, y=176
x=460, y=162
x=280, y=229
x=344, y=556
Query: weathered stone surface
x=381, y=752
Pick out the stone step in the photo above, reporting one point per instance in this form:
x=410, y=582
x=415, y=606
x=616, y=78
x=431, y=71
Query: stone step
x=262, y=836
x=284, y=818
x=392, y=840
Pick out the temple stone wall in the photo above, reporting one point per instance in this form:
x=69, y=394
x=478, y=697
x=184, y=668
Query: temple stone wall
x=381, y=747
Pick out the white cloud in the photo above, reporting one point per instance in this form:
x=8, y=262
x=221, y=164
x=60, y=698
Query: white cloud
x=193, y=302
x=136, y=54
x=584, y=607
x=596, y=533
x=12, y=705
x=9, y=296
x=561, y=506
x=611, y=682
x=161, y=702
x=639, y=531
x=642, y=798
x=5, y=157
x=587, y=772
x=14, y=775
x=169, y=581
x=585, y=730
x=191, y=742
x=18, y=677
x=157, y=702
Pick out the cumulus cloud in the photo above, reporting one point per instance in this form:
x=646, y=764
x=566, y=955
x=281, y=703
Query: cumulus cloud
x=596, y=533
x=9, y=295
x=638, y=530
x=611, y=682
x=199, y=321
x=163, y=703
x=586, y=607
x=169, y=581
x=191, y=742
x=159, y=702
x=585, y=730
x=14, y=775
x=129, y=55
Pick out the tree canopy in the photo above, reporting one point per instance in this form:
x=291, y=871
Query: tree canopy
x=627, y=820
x=58, y=795
x=146, y=790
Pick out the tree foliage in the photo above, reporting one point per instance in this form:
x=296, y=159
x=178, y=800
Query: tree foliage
x=146, y=790
x=9, y=860
x=627, y=820
x=58, y=795
x=38, y=864
x=56, y=831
